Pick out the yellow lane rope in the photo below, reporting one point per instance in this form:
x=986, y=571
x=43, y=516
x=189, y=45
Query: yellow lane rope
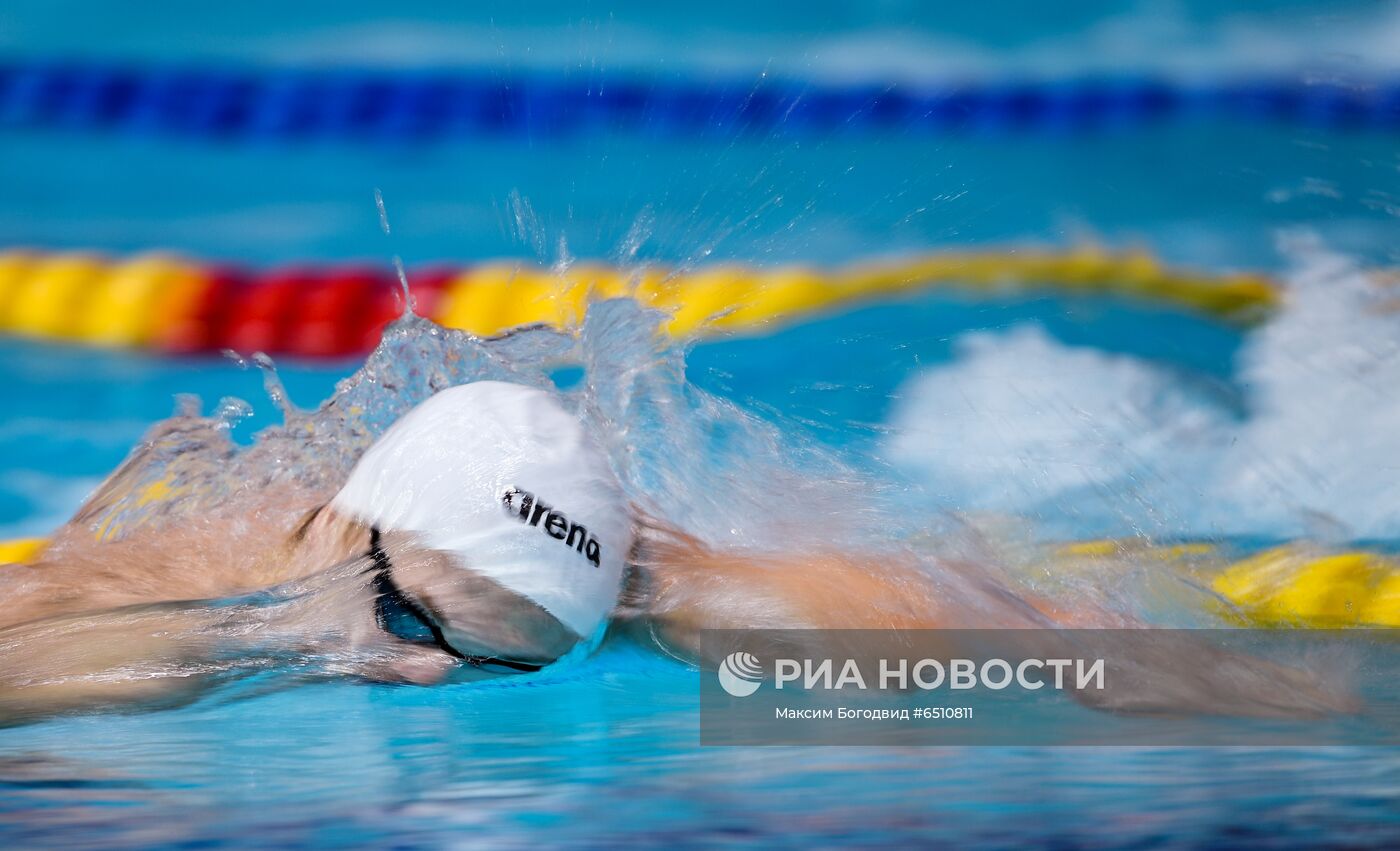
x=1294, y=585
x=167, y=303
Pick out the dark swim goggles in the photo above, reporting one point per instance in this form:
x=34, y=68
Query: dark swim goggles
x=410, y=620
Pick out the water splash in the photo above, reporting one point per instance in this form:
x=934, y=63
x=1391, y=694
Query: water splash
x=383, y=213
x=681, y=453
x=637, y=235
x=739, y=479
x=563, y=260
x=525, y=226
x=404, y=291
x=230, y=412
x=273, y=387
x=1094, y=443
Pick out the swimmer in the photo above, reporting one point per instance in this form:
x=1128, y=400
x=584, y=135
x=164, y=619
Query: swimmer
x=483, y=534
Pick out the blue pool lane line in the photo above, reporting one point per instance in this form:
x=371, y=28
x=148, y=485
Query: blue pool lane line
x=252, y=104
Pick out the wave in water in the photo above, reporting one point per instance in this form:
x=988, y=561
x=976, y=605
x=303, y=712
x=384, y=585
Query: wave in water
x=1302, y=443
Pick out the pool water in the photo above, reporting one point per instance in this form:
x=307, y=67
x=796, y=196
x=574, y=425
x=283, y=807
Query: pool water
x=1082, y=418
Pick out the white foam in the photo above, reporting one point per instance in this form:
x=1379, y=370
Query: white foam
x=1323, y=435
x=1090, y=442
x=1020, y=423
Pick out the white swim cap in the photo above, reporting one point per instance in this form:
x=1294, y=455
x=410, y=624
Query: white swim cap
x=502, y=477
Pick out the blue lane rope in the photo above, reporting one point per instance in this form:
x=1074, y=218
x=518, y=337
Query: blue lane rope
x=415, y=105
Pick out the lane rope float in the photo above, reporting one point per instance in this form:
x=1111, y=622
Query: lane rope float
x=165, y=303
x=244, y=103
x=1296, y=585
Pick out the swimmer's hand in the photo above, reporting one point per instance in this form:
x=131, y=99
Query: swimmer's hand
x=1164, y=672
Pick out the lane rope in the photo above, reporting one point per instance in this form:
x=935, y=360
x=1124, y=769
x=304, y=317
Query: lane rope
x=165, y=303
x=1296, y=585
x=242, y=103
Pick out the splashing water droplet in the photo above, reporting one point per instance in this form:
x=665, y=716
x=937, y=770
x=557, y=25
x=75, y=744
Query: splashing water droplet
x=272, y=385
x=525, y=225
x=637, y=235
x=408, y=304
x=563, y=261
x=230, y=411
x=383, y=214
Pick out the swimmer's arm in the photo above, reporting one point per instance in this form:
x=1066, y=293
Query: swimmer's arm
x=169, y=654
x=681, y=587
